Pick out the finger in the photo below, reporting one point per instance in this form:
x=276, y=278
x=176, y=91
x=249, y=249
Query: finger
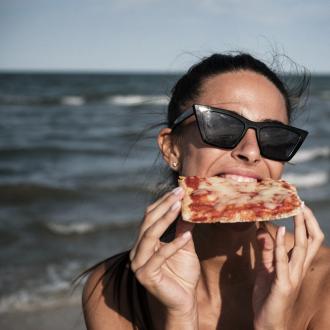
x=161, y=208
x=158, y=201
x=151, y=270
x=149, y=241
x=158, y=228
x=152, y=215
x=300, y=245
x=281, y=257
x=266, y=246
x=315, y=236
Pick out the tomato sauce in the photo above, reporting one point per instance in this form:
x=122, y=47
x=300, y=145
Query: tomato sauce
x=192, y=182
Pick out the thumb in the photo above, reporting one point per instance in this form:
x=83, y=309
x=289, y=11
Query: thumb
x=266, y=247
x=182, y=227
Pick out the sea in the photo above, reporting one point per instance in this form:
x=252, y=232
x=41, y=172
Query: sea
x=79, y=164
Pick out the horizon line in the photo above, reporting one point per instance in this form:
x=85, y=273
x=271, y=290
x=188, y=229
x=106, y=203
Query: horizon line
x=110, y=71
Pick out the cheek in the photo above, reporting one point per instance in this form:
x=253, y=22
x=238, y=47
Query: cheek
x=198, y=160
x=275, y=169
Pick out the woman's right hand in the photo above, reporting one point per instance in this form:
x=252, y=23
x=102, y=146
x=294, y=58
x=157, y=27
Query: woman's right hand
x=169, y=271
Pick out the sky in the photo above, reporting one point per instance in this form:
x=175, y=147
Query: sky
x=159, y=35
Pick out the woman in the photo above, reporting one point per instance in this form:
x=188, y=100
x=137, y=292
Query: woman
x=217, y=276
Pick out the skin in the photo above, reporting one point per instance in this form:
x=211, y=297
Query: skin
x=224, y=276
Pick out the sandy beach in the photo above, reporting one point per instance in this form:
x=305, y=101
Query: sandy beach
x=68, y=317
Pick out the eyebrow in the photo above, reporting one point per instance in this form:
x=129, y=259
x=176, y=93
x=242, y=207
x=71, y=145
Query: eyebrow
x=272, y=121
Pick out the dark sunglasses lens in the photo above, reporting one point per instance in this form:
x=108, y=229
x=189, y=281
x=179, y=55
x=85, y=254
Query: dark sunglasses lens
x=278, y=143
x=221, y=129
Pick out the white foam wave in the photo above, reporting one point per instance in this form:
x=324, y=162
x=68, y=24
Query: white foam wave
x=309, y=154
x=133, y=100
x=54, y=290
x=75, y=101
x=70, y=228
x=307, y=180
x=27, y=301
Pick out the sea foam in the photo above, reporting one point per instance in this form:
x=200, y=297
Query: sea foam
x=134, y=100
x=310, y=154
x=70, y=228
x=75, y=101
x=307, y=180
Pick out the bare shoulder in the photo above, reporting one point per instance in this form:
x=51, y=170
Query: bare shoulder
x=99, y=304
x=315, y=293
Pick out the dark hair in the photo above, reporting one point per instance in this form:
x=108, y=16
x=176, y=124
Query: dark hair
x=186, y=90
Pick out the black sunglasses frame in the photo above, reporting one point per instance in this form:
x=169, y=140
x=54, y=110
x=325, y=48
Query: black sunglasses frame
x=199, y=110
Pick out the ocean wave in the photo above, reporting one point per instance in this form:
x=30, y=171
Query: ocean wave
x=75, y=101
x=135, y=100
x=27, y=301
x=310, y=154
x=71, y=228
x=80, y=100
x=26, y=192
x=16, y=193
x=56, y=289
x=24, y=300
x=82, y=228
x=307, y=180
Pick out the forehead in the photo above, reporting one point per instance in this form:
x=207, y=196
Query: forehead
x=249, y=94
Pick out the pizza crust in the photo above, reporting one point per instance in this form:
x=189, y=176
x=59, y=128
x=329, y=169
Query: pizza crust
x=216, y=199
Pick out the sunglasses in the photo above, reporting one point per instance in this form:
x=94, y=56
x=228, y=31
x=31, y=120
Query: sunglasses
x=225, y=129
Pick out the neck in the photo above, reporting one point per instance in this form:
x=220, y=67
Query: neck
x=227, y=255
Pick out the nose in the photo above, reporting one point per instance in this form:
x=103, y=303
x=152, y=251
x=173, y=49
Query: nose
x=248, y=149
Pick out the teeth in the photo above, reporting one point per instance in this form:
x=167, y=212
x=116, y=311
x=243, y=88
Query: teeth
x=239, y=178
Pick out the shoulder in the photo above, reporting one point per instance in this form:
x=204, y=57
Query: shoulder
x=316, y=287
x=99, y=303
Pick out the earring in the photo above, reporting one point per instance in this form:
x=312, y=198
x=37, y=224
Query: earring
x=174, y=164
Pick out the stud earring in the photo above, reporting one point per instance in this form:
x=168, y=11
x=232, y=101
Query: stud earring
x=174, y=164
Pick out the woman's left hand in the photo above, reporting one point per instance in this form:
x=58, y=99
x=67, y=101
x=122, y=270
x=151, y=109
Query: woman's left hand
x=279, y=274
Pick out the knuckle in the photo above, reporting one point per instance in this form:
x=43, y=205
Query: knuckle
x=302, y=246
x=321, y=237
x=286, y=289
x=283, y=259
x=148, y=234
x=134, y=266
x=140, y=275
x=161, y=254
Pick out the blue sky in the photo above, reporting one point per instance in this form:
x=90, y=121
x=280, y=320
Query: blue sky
x=158, y=35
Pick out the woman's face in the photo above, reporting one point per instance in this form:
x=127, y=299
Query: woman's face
x=250, y=95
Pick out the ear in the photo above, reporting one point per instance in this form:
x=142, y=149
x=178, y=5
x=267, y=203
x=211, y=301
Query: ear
x=169, y=149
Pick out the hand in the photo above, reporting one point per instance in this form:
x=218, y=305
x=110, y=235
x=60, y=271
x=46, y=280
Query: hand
x=169, y=271
x=279, y=275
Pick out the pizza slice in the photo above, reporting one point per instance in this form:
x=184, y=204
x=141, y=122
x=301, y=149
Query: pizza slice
x=218, y=199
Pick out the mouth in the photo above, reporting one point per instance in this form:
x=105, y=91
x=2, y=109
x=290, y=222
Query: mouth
x=241, y=177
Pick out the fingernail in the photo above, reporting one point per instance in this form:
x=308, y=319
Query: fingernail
x=281, y=231
x=177, y=190
x=175, y=206
x=186, y=235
